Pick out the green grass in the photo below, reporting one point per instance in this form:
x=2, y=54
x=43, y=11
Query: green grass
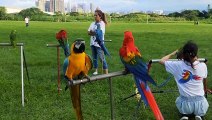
x=41, y=99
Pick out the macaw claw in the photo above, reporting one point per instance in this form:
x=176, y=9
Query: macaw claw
x=126, y=71
x=68, y=84
x=88, y=77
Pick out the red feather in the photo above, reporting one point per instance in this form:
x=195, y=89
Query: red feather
x=152, y=103
x=61, y=35
x=128, y=45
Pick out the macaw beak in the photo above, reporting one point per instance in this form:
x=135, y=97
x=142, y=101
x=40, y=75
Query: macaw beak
x=79, y=46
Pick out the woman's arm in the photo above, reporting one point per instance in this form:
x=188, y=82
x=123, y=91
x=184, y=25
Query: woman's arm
x=165, y=58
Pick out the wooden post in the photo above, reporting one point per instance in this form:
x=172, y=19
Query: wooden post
x=58, y=65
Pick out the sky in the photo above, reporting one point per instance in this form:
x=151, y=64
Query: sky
x=126, y=5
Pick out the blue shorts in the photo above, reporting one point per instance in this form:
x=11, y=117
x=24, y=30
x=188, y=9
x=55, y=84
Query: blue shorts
x=197, y=105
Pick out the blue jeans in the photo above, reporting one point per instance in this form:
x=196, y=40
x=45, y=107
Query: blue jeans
x=97, y=51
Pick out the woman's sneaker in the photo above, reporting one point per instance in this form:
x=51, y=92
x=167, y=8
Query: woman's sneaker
x=184, y=118
x=198, y=118
x=95, y=73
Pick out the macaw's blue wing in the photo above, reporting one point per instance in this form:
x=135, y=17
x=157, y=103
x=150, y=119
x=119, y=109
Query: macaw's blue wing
x=65, y=47
x=99, y=39
x=105, y=50
x=99, y=36
x=139, y=69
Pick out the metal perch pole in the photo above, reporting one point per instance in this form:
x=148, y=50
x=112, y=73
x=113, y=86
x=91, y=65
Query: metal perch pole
x=157, y=60
x=22, y=71
x=102, y=77
x=97, y=77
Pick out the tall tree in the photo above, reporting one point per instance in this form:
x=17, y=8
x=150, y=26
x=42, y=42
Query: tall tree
x=30, y=12
x=190, y=14
x=2, y=13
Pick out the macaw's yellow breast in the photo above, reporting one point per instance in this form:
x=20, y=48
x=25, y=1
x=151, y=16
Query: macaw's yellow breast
x=76, y=65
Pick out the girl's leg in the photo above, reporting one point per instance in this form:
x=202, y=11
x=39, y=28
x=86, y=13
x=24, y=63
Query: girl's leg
x=103, y=60
x=95, y=59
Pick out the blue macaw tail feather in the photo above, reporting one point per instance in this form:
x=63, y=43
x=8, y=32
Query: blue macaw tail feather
x=65, y=65
x=66, y=50
x=65, y=47
x=138, y=82
x=105, y=50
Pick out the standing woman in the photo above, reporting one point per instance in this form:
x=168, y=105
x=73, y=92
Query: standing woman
x=100, y=18
x=26, y=21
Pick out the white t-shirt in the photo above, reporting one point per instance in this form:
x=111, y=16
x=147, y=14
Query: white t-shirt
x=26, y=20
x=93, y=27
x=189, y=81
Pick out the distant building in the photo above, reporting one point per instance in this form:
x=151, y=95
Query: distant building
x=41, y=4
x=91, y=7
x=68, y=6
x=81, y=7
x=47, y=6
x=73, y=6
x=209, y=7
x=57, y=6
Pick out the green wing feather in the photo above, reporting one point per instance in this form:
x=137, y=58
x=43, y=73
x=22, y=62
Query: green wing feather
x=13, y=38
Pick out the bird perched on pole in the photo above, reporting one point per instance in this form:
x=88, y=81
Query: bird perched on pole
x=61, y=36
x=99, y=39
x=134, y=63
x=78, y=66
x=13, y=38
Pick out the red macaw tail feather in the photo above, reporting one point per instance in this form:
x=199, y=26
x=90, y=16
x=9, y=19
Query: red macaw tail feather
x=152, y=103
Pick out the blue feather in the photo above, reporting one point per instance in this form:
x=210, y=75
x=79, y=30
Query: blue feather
x=139, y=69
x=99, y=39
x=138, y=82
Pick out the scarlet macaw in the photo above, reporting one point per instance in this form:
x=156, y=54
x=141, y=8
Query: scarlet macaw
x=61, y=36
x=77, y=65
x=133, y=62
x=13, y=38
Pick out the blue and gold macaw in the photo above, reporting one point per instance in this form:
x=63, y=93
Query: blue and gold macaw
x=99, y=39
x=77, y=66
x=133, y=62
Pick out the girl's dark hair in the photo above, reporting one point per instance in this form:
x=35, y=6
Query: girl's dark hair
x=190, y=50
x=102, y=15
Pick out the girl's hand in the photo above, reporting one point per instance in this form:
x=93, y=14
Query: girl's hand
x=174, y=53
x=92, y=33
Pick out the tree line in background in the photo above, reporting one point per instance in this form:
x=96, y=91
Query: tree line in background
x=36, y=14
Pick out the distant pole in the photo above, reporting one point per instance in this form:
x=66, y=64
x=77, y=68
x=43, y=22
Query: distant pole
x=147, y=21
x=22, y=76
x=110, y=19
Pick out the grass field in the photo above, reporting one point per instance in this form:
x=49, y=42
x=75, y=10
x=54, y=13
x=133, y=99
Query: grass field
x=41, y=99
